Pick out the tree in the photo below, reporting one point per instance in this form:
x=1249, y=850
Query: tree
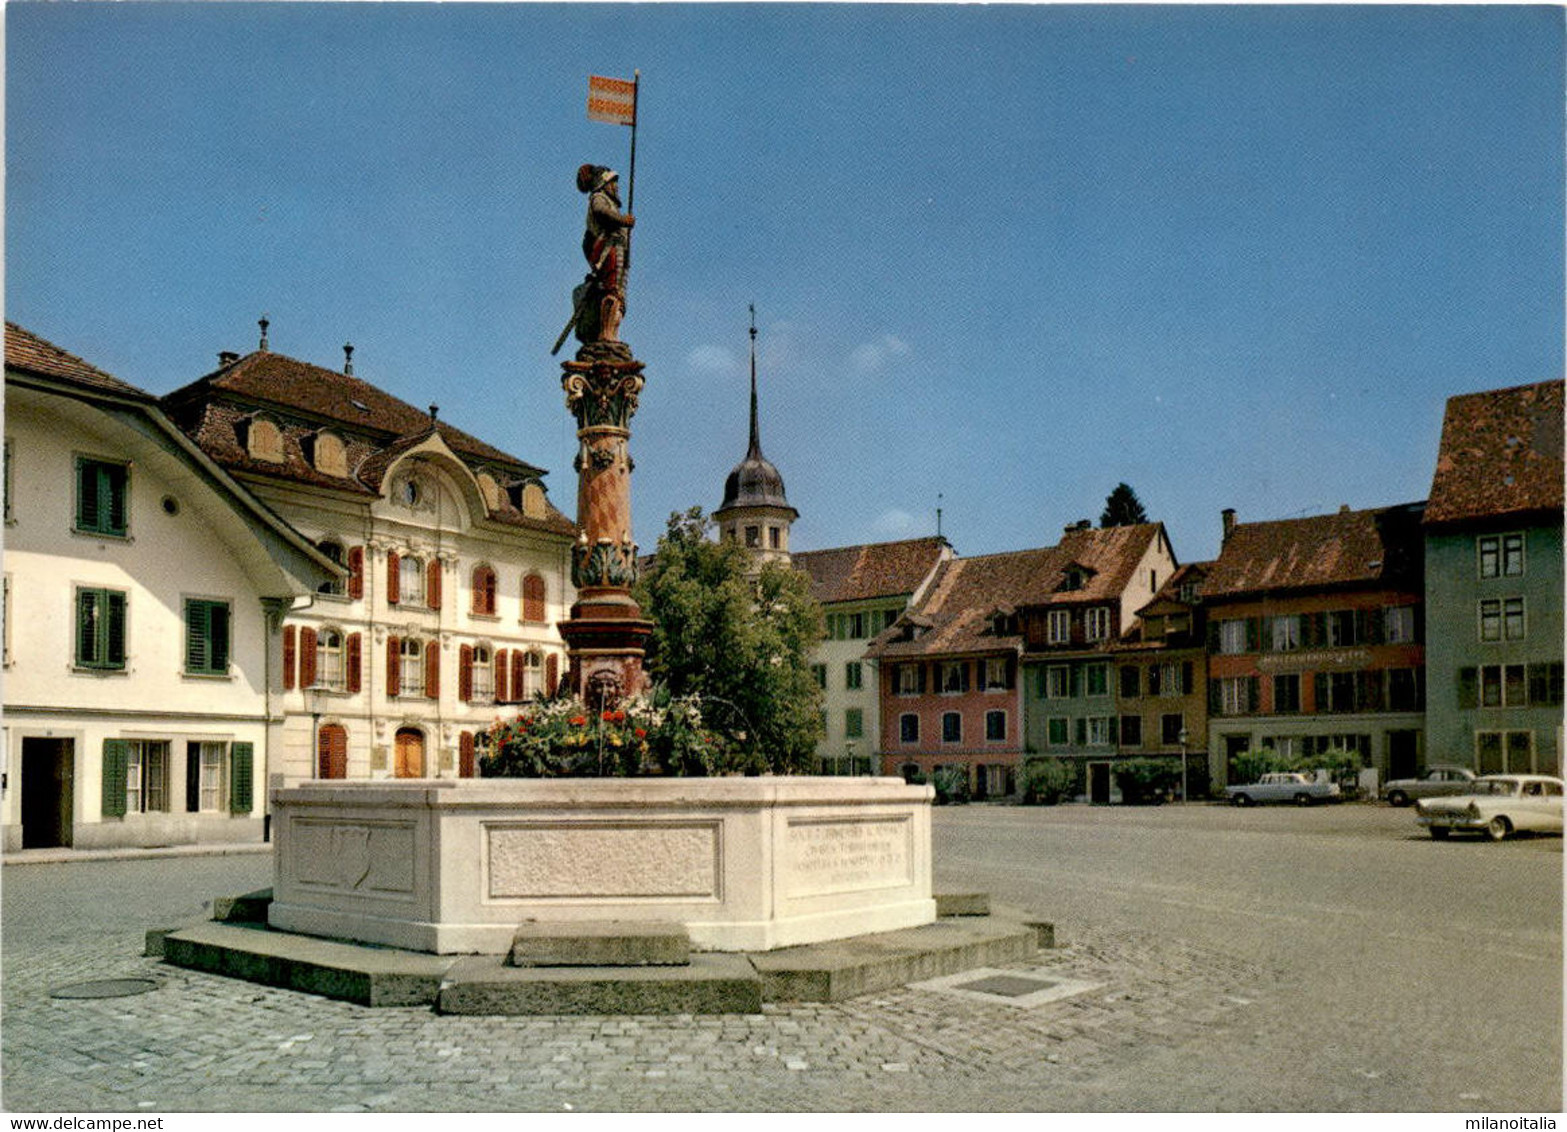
x=1122, y=508
x=738, y=640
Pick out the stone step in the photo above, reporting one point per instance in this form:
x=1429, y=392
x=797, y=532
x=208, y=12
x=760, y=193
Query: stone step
x=711, y=983
x=962, y=904
x=369, y=976
x=600, y=943
x=843, y=969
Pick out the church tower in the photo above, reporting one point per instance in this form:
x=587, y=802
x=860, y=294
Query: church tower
x=755, y=511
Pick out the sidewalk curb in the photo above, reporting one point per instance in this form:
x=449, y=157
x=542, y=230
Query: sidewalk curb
x=68, y=856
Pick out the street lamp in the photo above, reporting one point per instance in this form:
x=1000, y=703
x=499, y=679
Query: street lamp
x=849, y=747
x=1183, y=737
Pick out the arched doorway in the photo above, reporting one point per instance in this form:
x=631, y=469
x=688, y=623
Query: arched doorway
x=410, y=753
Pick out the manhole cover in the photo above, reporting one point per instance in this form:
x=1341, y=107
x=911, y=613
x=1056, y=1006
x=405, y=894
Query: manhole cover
x=105, y=988
x=1013, y=986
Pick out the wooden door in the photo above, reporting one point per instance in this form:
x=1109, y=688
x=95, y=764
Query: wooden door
x=410, y=753
x=332, y=752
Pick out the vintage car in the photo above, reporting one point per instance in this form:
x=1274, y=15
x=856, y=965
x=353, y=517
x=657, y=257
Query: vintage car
x=1497, y=805
x=1283, y=786
x=1436, y=782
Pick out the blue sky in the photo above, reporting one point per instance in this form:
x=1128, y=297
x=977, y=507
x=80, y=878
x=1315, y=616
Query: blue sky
x=1003, y=257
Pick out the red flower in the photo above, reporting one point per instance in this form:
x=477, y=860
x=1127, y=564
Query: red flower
x=579, y=721
x=641, y=734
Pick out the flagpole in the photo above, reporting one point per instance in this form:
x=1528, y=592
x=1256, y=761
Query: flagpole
x=631, y=173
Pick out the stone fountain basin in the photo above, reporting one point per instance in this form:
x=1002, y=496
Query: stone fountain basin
x=743, y=864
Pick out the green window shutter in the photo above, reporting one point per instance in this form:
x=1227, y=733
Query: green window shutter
x=192, y=778
x=241, y=775
x=113, y=480
x=114, y=635
x=1082, y=732
x=86, y=496
x=116, y=760
x=198, y=629
x=220, y=637
x=1319, y=691
x=1253, y=634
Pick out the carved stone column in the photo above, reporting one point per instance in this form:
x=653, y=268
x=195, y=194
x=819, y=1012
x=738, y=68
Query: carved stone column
x=606, y=634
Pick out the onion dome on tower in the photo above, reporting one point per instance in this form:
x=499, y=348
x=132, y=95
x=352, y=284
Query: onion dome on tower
x=755, y=511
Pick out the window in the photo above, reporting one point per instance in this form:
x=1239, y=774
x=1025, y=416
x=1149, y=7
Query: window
x=774, y=537
x=102, y=497
x=531, y=678
x=147, y=776
x=100, y=629
x=954, y=677
x=1232, y=636
x=1503, y=685
x=1131, y=731
x=1235, y=695
x=482, y=679
x=1096, y=679
x=1336, y=692
x=209, y=769
x=1171, y=726
x=410, y=667
x=909, y=682
x=1284, y=633
x=1056, y=731
x=1398, y=624
x=410, y=580
x=1343, y=628
x=331, y=548
x=1404, y=689
x=1286, y=692
x=484, y=591
x=854, y=626
x=1504, y=752
x=753, y=537
x=951, y=727
x=1501, y=556
x=1058, y=626
x=1099, y=731
x=997, y=673
x=819, y=671
x=996, y=726
x=908, y=728
x=329, y=660
x=1502, y=619
x=853, y=723
x=533, y=599
x=1096, y=623
x=853, y=675
x=1058, y=682
x=1131, y=682
x=206, y=637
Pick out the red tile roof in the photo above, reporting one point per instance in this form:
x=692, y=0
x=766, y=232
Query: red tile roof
x=967, y=591
x=1343, y=549
x=871, y=570
x=1501, y=454
x=25, y=351
x=375, y=428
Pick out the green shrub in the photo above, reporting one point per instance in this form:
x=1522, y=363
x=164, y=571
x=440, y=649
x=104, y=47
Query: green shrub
x=951, y=783
x=1144, y=781
x=1249, y=766
x=1048, y=781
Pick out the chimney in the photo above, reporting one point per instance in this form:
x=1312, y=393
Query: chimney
x=263, y=323
x=227, y=358
x=1227, y=517
x=434, y=412
x=348, y=359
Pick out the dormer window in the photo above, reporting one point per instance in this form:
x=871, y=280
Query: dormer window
x=264, y=440
x=328, y=454
x=1074, y=581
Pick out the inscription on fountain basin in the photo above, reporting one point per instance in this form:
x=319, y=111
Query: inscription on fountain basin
x=847, y=856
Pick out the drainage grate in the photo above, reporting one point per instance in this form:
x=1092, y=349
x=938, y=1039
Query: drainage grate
x=1025, y=989
x=105, y=988
x=1013, y=986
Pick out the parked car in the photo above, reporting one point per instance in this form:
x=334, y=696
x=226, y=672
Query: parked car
x=1282, y=786
x=1436, y=782
x=1497, y=805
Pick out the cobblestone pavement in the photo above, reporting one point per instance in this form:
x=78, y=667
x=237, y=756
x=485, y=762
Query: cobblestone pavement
x=1189, y=1001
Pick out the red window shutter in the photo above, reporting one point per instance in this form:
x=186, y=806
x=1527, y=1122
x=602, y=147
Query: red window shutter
x=502, y=684
x=551, y=673
x=356, y=572
x=432, y=670
x=394, y=683
x=332, y=752
x=307, y=657
x=354, y=660
x=432, y=584
x=519, y=663
x=393, y=581
x=465, y=674
x=533, y=598
x=489, y=591
x=288, y=657
x=465, y=767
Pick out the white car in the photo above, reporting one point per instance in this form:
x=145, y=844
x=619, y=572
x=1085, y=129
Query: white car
x=1284, y=786
x=1497, y=805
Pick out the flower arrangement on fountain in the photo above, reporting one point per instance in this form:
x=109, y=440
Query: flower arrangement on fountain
x=650, y=734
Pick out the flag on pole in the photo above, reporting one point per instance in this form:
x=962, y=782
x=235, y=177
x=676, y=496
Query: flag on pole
x=612, y=100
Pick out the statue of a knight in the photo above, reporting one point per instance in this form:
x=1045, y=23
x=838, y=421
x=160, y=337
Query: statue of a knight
x=604, y=243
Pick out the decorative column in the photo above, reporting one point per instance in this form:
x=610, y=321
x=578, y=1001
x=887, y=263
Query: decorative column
x=606, y=635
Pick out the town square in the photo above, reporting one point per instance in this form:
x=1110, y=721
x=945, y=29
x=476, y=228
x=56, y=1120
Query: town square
x=423, y=692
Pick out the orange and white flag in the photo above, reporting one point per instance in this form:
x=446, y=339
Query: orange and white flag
x=612, y=100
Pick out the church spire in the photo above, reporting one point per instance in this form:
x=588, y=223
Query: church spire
x=756, y=436
x=755, y=510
